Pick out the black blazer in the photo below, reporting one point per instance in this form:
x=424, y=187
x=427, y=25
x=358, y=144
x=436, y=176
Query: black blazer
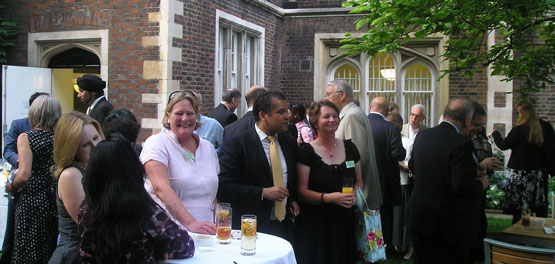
x=245, y=171
x=244, y=123
x=446, y=197
x=389, y=151
x=223, y=115
x=101, y=110
x=524, y=155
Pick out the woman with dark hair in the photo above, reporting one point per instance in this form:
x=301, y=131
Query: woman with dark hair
x=118, y=221
x=124, y=122
x=326, y=225
x=525, y=184
x=36, y=218
x=297, y=113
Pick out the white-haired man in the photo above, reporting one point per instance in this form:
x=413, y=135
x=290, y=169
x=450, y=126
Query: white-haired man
x=417, y=116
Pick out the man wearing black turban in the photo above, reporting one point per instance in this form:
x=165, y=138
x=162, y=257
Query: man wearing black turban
x=91, y=93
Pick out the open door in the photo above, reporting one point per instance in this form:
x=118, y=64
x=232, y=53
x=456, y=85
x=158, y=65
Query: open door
x=19, y=83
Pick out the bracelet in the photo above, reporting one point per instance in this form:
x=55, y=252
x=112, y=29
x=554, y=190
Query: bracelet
x=13, y=187
x=322, y=198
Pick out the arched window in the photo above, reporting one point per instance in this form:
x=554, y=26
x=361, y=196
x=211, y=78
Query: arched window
x=349, y=74
x=404, y=79
x=382, y=77
x=418, y=89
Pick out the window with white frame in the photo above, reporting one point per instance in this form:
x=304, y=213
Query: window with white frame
x=239, y=61
x=406, y=85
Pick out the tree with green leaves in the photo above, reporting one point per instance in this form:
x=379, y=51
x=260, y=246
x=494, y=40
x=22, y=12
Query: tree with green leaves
x=7, y=31
x=525, y=27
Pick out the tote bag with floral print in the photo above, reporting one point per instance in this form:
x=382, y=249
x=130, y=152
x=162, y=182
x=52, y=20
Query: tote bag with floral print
x=370, y=244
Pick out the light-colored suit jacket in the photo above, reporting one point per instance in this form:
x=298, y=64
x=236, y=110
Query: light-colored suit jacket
x=405, y=130
x=354, y=125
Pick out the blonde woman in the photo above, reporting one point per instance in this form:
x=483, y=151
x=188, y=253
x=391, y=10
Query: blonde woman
x=75, y=137
x=35, y=213
x=182, y=168
x=525, y=184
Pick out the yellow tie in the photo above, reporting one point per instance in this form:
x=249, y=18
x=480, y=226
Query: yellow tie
x=277, y=174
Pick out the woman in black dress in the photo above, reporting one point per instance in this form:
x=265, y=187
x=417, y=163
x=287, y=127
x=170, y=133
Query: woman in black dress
x=526, y=183
x=326, y=225
x=36, y=225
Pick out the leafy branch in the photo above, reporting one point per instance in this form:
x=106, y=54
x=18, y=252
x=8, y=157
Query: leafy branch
x=525, y=28
x=7, y=31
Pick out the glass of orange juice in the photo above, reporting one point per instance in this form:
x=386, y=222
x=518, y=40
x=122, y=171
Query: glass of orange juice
x=348, y=183
x=223, y=223
x=248, y=235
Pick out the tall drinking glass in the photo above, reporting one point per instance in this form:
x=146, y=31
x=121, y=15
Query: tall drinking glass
x=248, y=235
x=348, y=183
x=223, y=223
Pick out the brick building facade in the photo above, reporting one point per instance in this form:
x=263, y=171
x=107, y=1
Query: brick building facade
x=147, y=49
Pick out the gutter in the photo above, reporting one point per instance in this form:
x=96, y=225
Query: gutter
x=300, y=12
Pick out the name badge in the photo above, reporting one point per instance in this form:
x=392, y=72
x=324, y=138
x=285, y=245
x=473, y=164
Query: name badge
x=350, y=164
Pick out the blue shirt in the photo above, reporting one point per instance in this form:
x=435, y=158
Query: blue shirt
x=211, y=130
x=17, y=127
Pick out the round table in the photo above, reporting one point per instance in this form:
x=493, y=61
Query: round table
x=269, y=250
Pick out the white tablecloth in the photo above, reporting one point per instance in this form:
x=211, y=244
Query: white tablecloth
x=269, y=250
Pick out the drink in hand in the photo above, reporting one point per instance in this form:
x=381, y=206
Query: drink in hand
x=347, y=189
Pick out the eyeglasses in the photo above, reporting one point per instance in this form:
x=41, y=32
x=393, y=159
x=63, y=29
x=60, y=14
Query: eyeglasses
x=329, y=94
x=417, y=116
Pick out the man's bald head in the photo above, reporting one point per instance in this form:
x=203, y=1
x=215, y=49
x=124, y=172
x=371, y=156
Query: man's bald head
x=459, y=111
x=380, y=105
x=253, y=93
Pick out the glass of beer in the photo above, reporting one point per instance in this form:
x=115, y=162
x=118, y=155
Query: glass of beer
x=525, y=217
x=248, y=235
x=348, y=183
x=223, y=223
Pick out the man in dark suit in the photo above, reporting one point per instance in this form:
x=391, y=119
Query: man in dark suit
x=247, y=120
x=389, y=151
x=91, y=93
x=224, y=112
x=443, y=212
x=248, y=178
x=17, y=127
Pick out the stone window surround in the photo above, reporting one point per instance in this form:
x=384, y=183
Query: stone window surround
x=324, y=69
x=223, y=18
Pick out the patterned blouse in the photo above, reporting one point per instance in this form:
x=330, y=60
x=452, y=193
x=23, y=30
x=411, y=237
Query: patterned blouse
x=160, y=235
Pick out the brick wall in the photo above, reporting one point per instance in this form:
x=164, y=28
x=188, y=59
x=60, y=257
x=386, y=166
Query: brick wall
x=127, y=22
x=196, y=71
x=318, y=3
x=297, y=61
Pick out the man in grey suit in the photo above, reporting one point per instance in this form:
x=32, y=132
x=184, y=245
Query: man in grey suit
x=354, y=125
x=417, y=116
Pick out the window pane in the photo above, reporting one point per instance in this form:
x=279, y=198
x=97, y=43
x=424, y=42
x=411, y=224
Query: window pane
x=234, y=52
x=248, y=55
x=418, y=90
x=220, y=59
x=381, y=77
x=349, y=74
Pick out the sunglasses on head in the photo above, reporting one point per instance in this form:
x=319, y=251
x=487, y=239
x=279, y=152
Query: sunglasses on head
x=186, y=92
